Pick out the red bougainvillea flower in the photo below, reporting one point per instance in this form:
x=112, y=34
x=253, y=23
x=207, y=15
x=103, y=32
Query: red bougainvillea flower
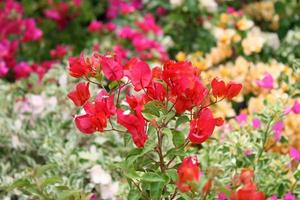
x=188, y=172
x=139, y=74
x=233, y=89
x=246, y=176
x=248, y=193
x=135, y=103
x=97, y=113
x=206, y=188
x=191, y=97
x=59, y=52
x=92, y=121
x=156, y=91
x=79, y=67
x=179, y=76
x=249, y=190
x=218, y=87
x=202, y=126
x=112, y=68
x=105, y=102
x=80, y=94
x=135, y=124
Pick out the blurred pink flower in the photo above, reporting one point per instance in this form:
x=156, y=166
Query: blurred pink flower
x=296, y=107
x=277, y=130
x=3, y=69
x=222, y=196
x=295, y=154
x=289, y=196
x=241, y=118
x=274, y=197
x=95, y=26
x=256, y=123
x=22, y=70
x=32, y=32
x=266, y=82
x=248, y=152
x=148, y=24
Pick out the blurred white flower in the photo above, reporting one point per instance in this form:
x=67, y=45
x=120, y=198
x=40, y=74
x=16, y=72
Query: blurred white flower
x=272, y=40
x=110, y=190
x=176, y=3
x=99, y=176
x=209, y=5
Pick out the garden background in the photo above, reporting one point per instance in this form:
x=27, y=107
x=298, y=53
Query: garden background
x=46, y=154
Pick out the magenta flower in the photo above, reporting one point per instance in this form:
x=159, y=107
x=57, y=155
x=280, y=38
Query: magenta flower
x=222, y=196
x=248, y=152
x=95, y=26
x=295, y=154
x=289, y=196
x=296, y=107
x=241, y=118
x=3, y=69
x=32, y=32
x=256, y=123
x=274, y=197
x=288, y=110
x=267, y=81
x=277, y=130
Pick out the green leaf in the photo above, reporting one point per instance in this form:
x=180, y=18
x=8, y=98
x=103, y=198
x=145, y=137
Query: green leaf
x=70, y=194
x=148, y=116
x=172, y=174
x=178, y=138
x=51, y=180
x=113, y=85
x=134, y=194
x=19, y=184
x=153, y=177
x=42, y=169
x=153, y=108
x=167, y=131
x=181, y=120
x=156, y=190
x=297, y=174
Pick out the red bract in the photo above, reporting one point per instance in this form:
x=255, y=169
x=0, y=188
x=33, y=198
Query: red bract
x=59, y=52
x=79, y=67
x=135, y=124
x=97, y=113
x=249, y=190
x=135, y=103
x=179, y=76
x=140, y=75
x=233, y=89
x=218, y=87
x=92, y=121
x=191, y=97
x=105, y=102
x=112, y=69
x=188, y=172
x=246, y=176
x=202, y=126
x=81, y=94
x=156, y=91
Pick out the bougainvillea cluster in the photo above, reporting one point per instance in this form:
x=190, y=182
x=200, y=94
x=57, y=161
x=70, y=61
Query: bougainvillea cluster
x=126, y=89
